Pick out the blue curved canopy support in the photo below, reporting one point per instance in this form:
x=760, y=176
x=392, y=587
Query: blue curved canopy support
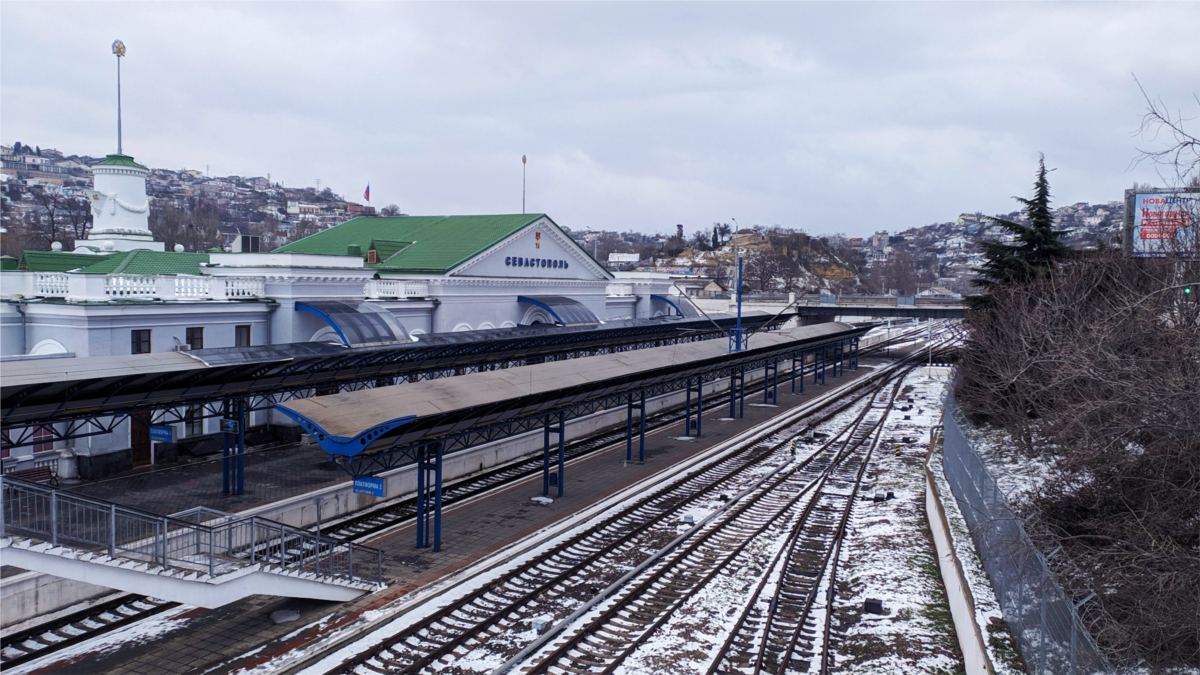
x=565, y=311
x=357, y=323
x=685, y=309
x=343, y=445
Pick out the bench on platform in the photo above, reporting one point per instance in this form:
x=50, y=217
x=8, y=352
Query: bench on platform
x=38, y=474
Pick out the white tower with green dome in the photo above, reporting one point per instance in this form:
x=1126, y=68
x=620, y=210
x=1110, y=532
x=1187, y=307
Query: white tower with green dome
x=120, y=208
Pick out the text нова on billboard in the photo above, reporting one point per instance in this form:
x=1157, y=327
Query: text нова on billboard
x=1162, y=222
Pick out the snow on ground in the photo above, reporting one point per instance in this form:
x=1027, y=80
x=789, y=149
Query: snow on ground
x=143, y=631
x=1017, y=475
x=889, y=554
x=1002, y=650
x=689, y=640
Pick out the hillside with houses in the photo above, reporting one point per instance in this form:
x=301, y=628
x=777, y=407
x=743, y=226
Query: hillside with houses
x=44, y=201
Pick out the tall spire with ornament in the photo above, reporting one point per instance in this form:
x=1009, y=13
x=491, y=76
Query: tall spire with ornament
x=120, y=207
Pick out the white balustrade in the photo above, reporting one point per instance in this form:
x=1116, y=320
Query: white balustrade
x=244, y=287
x=118, y=286
x=383, y=288
x=51, y=284
x=192, y=287
x=416, y=289
x=621, y=290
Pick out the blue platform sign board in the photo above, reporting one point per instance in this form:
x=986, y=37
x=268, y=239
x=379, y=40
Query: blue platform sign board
x=229, y=426
x=162, y=434
x=368, y=486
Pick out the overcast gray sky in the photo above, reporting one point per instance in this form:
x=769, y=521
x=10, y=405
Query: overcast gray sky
x=844, y=117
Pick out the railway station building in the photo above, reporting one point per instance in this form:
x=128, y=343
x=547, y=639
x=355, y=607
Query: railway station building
x=370, y=280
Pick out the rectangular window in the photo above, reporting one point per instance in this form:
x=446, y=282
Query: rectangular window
x=193, y=422
x=241, y=337
x=139, y=342
x=43, y=434
x=195, y=338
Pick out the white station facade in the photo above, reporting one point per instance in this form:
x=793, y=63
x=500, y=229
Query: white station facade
x=120, y=293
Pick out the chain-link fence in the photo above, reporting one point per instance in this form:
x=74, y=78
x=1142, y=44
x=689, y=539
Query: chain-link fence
x=1044, y=621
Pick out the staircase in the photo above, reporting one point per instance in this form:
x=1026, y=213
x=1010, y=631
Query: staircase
x=201, y=557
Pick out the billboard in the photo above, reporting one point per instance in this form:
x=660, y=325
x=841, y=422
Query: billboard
x=1161, y=223
x=623, y=257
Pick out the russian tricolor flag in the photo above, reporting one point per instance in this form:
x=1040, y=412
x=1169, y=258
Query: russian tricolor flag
x=367, y=193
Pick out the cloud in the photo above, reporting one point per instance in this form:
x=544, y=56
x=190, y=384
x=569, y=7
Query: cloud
x=831, y=117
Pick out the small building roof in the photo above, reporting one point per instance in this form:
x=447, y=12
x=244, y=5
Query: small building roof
x=138, y=261
x=120, y=160
x=143, y=261
x=438, y=243
x=56, y=261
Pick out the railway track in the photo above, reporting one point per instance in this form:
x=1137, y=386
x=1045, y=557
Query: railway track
x=773, y=489
x=49, y=637
x=127, y=609
x=814, y=526
x=777, y=631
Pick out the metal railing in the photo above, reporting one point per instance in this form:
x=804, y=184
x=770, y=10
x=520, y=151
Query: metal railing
x=61, y=518
x=1044, y=621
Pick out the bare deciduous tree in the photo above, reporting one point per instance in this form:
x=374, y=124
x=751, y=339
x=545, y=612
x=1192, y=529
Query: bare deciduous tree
x=1095, y=368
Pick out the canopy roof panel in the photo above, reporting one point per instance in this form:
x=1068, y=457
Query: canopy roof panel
x=352, y=422
x=566, y=311
x=358, y=323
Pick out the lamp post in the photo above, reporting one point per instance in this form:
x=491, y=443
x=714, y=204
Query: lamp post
x=736, y=345
x=118, y=48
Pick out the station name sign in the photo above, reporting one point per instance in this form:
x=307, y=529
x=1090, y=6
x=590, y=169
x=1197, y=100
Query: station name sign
x=550, y=263
x=368, y=486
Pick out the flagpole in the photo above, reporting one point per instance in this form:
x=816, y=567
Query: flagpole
x=118, y=48
x=522, y=183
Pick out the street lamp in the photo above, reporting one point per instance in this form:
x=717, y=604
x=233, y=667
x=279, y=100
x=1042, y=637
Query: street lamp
x=736, y=340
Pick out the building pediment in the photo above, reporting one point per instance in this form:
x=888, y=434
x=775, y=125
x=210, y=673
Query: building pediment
x=540, y=250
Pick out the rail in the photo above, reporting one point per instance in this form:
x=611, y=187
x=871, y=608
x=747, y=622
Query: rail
x=66, y=519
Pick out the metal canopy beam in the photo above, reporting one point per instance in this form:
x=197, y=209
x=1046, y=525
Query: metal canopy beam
x=457, y=430
x=86, y=403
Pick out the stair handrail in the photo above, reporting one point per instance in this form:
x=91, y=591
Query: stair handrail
x=58, y=516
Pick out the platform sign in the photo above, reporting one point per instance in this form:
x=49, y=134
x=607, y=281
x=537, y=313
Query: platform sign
x=162, y=434
x=229, y=426
x=368, y=486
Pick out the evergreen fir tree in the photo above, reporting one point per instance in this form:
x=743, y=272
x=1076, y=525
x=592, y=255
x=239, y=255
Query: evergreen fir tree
x=1037, y=249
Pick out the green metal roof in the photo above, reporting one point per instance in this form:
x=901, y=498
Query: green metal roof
x=385, y=248
x=140, y=261
x=143, y=261
x=120, y=160
x=439, y=243
x=7, y=262
x=56, y=261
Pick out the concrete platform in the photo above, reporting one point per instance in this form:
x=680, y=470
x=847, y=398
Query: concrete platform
x=220, y=640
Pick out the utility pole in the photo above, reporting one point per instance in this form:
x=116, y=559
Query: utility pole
x=118, y=48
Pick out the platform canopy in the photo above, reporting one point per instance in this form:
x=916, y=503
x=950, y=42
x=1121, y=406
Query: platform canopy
x=351, y=423
x=45, y=391
x=565, y=311
x=358, y=323
x=684, y=307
